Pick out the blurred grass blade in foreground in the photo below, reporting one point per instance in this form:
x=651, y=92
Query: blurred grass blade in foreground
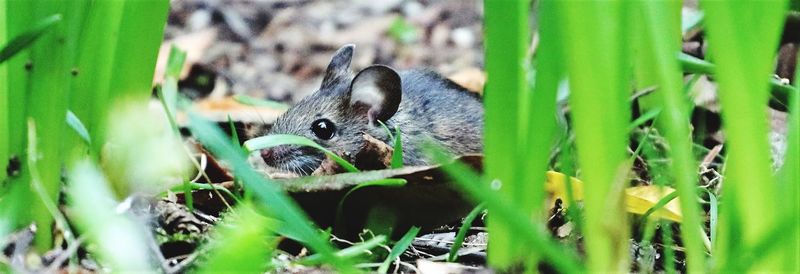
x=51, y=58
x=659, y=41
x=742, y=39
x=120, y=241
x=242, y=242
x=507, y=38
x=599, y=79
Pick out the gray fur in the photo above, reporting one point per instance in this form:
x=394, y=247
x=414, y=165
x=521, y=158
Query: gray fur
x=432, y=108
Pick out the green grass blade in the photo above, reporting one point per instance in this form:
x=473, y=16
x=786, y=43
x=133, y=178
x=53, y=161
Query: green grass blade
x=141, y=31
x=135, y=58
x=527, y=233
x=660, y=204
x=40, y=190
x=780, y=92
x=507, y=37
x=786, y=230
x=789, y=180
x=287, y=139
x=94, y=66
x=241, y=243
x=48, y=86
x=600, y=88
x=397, y=155
x=234, y=135
x=292, y=217
x=18, y=78
x=168, y=96
x=399, y=247
x=4, y=91
x=350, y=252
x=742, y=38
x=660, y=41
x=25, y=39
x=537, y=124
x=713, y=216
x=92, y=207
x=693, y=64
x=75, y=123
x=175, y=62
x=669, y=253
x=651, y=114
x=168, y=93
x=462, y=231
x=16, y=214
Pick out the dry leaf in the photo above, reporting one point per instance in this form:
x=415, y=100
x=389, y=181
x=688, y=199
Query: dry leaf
x=217, y=110
x=556, y=186
x=473, y=79
x=638, y=199
x=195, y=45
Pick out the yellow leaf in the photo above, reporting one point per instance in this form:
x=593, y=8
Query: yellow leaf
x=556, y=186
x=638, y=200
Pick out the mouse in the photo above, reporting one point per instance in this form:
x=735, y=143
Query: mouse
x=423, y=105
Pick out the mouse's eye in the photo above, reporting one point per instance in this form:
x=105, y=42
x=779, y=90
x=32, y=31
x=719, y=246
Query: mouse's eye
x=323, y=128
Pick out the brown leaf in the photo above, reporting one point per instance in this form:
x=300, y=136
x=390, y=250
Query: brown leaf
x=373, y=155
x=473, y=79
x=218, y=109
x=195, y=45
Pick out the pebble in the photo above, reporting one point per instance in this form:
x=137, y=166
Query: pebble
x=462, y=37
x=199, y=19
x=412, y=8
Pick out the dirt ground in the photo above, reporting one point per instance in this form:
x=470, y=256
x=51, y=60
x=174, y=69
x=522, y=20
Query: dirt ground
x=278, y=50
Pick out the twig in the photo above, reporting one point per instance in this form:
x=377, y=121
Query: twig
x=65, y=255
x=178, y=268
x=710, y=156
x=202, y=171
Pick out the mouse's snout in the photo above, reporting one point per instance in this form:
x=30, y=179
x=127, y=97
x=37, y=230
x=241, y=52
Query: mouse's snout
x=267, y=154
x=293, y=158
x=273, y=156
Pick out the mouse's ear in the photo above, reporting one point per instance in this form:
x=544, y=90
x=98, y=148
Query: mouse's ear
x=377, y=91
x=339, y=66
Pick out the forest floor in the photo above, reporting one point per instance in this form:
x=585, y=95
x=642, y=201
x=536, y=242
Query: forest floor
x=277, y=50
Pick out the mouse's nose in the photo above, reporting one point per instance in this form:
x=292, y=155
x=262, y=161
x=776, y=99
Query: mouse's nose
x=268, y=154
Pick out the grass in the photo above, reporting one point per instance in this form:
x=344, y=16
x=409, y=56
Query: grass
x=51, y=59
x=599, y=83
x=507, y=35
x=660, y=40
x=4, y=150
x=50, y=43
x=243, y=243
x=599, y=87
x=66, y=66
x=462, y=232
x=274, y=140
x=399, y=247
x=741, y=61
x=788, y=177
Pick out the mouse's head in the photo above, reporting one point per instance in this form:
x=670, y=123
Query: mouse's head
x=336, y=115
